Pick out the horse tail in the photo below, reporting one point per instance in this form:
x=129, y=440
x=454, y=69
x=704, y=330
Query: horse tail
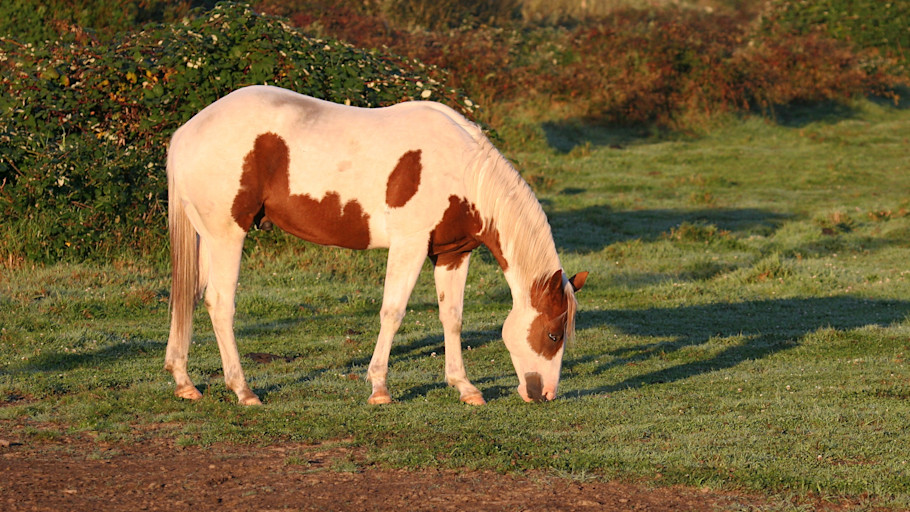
x=186, y=285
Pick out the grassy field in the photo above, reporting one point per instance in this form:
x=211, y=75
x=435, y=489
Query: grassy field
x=746, y=325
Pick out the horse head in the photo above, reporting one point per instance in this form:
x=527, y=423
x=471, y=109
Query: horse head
x=536, y=332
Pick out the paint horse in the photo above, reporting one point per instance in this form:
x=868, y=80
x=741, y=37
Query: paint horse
x=416, y=178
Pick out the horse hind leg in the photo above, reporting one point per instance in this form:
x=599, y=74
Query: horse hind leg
x=188, y=255
x=224, y=271
x=450, y=283
x=175, y=359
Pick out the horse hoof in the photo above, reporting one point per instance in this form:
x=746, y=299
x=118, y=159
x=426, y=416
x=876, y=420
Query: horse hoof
x=379, y=398
x=188, y=392
x=474, y=399
x=248, y=398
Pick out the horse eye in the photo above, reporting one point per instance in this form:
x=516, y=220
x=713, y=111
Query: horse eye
x=552, y=337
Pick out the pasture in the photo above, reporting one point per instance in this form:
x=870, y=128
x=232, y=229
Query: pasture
x=745, y=326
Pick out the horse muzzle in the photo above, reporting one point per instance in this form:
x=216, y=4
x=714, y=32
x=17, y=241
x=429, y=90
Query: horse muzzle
x=533, y=390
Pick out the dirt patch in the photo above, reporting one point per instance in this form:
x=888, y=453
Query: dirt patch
x=82, y=476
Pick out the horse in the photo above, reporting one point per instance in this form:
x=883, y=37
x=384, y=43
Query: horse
x=416, y=178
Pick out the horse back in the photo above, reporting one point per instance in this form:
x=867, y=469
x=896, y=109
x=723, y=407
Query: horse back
x=328, y=173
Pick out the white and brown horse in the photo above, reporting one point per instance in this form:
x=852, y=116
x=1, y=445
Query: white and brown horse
x=416, y=178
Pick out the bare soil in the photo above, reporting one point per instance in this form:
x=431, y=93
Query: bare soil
x=156, y=475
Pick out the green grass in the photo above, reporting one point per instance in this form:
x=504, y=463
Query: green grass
x=746, y=326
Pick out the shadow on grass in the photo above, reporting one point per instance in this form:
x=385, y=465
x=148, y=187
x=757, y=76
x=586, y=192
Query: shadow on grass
x=402, y=352
x=567, y=135
x=800, y=114
x=758, y=329
x=593, y=228
x=61, y=361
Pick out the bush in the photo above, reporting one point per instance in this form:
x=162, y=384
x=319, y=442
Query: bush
x=666, y=68
x=442, y=14
x=879, y=24
x=31, y=21
x=673, y=69
x=85, y=125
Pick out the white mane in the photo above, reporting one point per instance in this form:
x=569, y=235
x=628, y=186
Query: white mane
x=507, y=201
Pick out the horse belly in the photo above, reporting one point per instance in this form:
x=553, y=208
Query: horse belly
x=328, y=221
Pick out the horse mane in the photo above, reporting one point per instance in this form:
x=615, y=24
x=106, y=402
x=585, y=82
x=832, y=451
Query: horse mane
x=507, y=201
x=573, y=306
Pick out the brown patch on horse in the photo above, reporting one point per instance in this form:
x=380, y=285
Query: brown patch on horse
x=404, y=180
x=269, y=156
x=459, y=232
x=548, y=330
x=265, y=193
x=325, y=221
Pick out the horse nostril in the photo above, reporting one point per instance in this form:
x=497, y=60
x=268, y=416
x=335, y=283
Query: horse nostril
x=534, y=386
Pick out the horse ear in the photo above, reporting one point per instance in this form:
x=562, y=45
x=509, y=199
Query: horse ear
x=554, y=285
x=578, y=280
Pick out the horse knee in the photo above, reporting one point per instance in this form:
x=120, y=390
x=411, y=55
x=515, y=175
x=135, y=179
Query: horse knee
x=391, y=314
x=219, y=308
x=451, y=316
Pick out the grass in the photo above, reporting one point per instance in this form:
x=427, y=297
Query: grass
x=746, y=326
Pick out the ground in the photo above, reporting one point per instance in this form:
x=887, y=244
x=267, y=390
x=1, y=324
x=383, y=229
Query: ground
x=75, y=476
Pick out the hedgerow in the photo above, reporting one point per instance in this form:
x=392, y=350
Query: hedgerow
x=34, y=21
x=84, y=125
x=879, y=24
x=669, y=68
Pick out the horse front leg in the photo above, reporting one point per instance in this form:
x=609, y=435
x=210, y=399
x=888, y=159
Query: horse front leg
x=405, y=261
x=450, y=283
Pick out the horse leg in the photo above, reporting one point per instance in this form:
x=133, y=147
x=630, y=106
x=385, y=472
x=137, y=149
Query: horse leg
x=403, y=267
x=450, y=283
x=224, y=269
x=188, y=255
x=178, y=348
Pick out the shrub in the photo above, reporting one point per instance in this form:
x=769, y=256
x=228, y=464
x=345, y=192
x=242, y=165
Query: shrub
x=883, y=25
x=441, y=14
x=669, y=68
x=85, y=125
x=31, y=21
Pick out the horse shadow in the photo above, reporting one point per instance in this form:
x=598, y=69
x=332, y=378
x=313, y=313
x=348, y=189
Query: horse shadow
x=403, y=351
x=762, y=328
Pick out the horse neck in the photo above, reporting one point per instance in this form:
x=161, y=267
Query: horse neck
x=508, y=205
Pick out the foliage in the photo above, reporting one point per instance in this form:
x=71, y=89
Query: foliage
x=669, y=68
x=30, y=21
x=442, y=14
x=573, y=11
x=882, y=25
x=687, y=66
x=85, y=124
